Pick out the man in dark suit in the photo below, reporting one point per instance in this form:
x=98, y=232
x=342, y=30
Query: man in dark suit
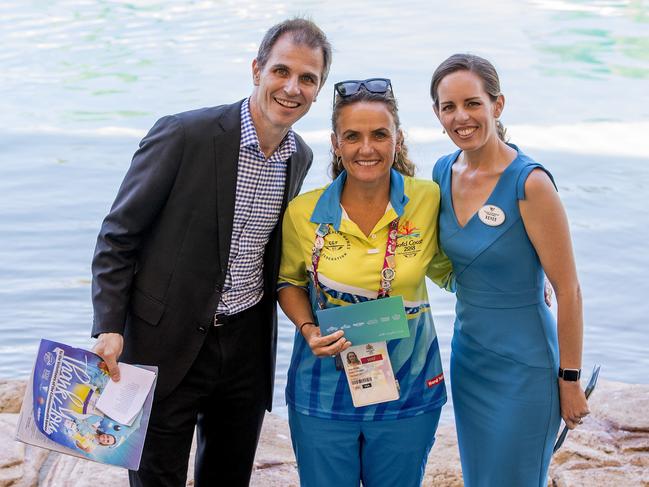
x=186, y=263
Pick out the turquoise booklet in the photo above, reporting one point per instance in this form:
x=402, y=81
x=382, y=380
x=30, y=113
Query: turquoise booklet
x=372, y=321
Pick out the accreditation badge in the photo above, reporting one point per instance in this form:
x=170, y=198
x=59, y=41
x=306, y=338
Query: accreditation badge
x=369, y=374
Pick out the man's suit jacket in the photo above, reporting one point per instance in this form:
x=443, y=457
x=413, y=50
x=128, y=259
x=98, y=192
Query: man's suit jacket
x=162, y=251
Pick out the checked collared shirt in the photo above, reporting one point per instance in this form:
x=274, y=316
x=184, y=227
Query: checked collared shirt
x=257, y=206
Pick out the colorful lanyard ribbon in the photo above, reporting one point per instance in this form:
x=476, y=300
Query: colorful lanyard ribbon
x=388, y=272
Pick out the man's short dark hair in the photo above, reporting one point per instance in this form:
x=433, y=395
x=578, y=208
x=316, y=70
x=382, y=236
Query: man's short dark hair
x=303, y=31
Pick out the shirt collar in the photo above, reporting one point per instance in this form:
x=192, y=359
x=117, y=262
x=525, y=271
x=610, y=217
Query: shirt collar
x=328, y=209
x=249, y=136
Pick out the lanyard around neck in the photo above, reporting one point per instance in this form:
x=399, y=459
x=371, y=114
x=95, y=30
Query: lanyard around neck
x=387, y=272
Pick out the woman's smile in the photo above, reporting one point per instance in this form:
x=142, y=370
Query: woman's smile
x=368, y=163
x=466, y=132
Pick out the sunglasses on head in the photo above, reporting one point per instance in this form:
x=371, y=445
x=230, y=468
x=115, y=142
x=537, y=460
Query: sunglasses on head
x=353, y=86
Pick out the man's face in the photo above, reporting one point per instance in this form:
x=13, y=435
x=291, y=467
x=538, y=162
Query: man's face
x=286, y=86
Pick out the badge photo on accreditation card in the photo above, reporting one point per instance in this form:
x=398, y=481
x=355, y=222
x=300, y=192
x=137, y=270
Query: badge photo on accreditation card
x=369, y=374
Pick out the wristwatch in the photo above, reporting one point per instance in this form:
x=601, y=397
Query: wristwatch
x=569, y=375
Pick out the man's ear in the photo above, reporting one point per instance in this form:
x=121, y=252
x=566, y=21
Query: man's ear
x=256, y=72
x=318, y=93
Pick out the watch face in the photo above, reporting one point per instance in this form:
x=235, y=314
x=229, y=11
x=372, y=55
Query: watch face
x=571, y=375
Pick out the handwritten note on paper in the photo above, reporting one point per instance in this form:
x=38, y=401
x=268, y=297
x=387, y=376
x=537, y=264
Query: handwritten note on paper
x=122, y=400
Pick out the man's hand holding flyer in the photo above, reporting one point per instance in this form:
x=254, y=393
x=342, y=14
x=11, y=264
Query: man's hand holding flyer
x=69, y=407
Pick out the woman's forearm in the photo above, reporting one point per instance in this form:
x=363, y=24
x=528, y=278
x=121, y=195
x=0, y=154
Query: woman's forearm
x=294, y=301
x=570, y=327
x=295, y=304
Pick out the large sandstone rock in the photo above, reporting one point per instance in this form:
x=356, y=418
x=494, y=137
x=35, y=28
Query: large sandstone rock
x=20, y=464
x=12, y=453
x=68, y=471
x=443, y=467
x=274, y=464
x=11, y=395
x=611, y=449
x=275, y=461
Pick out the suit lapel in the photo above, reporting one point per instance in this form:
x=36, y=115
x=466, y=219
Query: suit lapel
x=294, y=171
x=226, y=160
x=291, y=176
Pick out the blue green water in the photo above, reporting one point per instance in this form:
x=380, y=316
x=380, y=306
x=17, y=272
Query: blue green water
x=82, y=81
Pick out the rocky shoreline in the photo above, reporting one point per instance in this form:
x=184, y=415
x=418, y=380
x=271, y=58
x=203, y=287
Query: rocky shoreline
x=611, y=449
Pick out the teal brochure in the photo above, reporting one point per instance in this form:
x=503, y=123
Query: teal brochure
x=372, y=321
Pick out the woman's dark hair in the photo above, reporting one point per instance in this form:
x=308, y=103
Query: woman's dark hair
x=401, y=162
x=477, y=65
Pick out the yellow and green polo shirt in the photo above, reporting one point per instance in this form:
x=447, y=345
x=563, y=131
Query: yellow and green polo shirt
x=349, y=272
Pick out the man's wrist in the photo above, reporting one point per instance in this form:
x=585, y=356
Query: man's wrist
x=106, y=326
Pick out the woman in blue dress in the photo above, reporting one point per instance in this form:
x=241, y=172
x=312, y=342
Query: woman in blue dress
x=514, y=371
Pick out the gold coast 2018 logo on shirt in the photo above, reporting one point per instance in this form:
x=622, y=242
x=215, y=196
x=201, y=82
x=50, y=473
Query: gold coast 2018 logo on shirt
x=409, y=239
x=336, y=246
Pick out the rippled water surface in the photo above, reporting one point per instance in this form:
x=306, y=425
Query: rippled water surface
x=81, y=82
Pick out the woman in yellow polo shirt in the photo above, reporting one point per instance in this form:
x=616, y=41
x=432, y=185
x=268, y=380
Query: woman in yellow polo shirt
x=371, y=233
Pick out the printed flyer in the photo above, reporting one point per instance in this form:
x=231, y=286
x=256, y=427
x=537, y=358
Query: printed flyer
x=60, y=407
x=371, y=321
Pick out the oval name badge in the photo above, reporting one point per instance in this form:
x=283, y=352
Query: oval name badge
x=491, y=215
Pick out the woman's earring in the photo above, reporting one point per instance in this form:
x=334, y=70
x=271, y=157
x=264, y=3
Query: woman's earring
x=444, y=131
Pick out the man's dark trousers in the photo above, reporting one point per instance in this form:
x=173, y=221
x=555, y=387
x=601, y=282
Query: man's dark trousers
x=223, y=394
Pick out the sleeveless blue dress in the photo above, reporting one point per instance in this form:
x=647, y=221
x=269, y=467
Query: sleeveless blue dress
x=504, y=358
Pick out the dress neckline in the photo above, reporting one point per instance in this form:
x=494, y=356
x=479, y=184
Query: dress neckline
x=449, y=192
